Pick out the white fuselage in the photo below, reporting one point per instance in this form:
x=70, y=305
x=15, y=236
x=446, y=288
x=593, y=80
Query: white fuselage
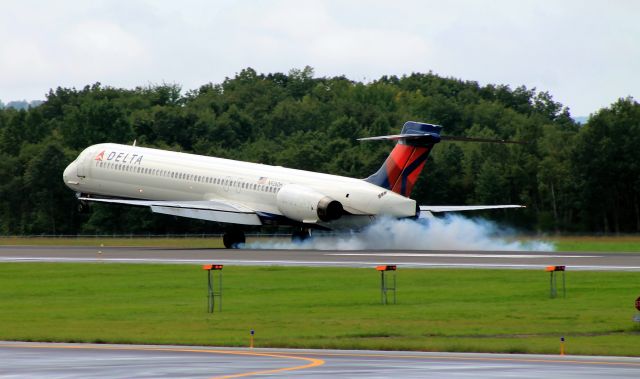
x=122, y=171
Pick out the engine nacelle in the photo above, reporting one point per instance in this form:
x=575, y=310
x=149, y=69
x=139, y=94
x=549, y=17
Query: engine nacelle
x=303, y=204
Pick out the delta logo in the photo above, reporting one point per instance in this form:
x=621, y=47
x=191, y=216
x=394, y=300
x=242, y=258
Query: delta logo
x=119, y=157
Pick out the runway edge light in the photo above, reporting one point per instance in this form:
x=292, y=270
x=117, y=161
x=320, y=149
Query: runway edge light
x=553, y=280
x=636, y=318
x=385, y=286
x=212, y=293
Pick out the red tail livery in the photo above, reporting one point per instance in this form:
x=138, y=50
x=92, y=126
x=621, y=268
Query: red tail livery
x=400, y=171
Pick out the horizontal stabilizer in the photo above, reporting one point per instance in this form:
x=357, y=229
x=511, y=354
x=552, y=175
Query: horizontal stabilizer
x=437, y=137
x=413, y=133
x=396, y=137
x=462, y=208
x=471, y=139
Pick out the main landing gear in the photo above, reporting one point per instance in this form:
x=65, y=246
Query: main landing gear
x=300, y=235
x=233, y=238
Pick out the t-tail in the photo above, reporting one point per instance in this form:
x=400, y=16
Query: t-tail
x=399, y=173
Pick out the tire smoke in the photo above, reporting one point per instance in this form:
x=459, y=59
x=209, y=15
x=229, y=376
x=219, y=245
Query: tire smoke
x=452, y=232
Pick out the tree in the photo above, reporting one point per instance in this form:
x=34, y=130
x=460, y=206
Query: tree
x=606, y=163
x=572, y=178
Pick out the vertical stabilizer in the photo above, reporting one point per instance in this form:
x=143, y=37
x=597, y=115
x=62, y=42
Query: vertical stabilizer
x=402, y=167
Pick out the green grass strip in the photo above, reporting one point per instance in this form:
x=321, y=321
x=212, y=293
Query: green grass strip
x=186, y=243
x=437, y=310
x=597, y=244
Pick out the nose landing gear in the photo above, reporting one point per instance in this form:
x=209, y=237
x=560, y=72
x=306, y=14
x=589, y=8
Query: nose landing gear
x=82, y=207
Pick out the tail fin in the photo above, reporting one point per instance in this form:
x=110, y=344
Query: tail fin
x=400, y=171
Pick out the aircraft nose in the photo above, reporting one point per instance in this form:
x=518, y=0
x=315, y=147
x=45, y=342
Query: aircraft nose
x=69, y=174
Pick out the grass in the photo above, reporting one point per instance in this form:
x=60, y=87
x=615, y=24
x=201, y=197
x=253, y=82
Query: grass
x=135, y=241
x=616, y=244
x=437, y=310
x=612, y=244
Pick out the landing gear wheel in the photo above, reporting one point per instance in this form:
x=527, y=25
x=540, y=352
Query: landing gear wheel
x=233, y=238
x=300, y=235
x=82, y=207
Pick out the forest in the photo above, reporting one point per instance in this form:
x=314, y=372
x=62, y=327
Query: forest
x=573, y=178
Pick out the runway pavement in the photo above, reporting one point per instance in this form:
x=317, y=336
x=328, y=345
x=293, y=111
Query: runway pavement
x=42, y=360
x=362, y=258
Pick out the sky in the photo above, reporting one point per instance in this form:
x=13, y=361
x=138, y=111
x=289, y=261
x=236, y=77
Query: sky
x=586, y=54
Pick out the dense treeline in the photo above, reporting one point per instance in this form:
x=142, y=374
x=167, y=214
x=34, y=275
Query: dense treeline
x=572, y=178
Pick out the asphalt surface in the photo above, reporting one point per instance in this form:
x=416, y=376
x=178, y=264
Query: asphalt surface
x=35, y=360
x=42, y=360
x=362, y=258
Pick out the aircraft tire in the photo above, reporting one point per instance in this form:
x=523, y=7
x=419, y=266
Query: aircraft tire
x=233, y=238
x=300, y=235
x=82, y=207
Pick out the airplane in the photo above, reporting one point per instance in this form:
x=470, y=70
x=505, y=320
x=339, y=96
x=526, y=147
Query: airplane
x=244, y=193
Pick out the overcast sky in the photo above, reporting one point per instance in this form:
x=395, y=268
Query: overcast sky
x=585, y=53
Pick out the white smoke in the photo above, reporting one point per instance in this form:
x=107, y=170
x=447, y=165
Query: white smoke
x=452, y=232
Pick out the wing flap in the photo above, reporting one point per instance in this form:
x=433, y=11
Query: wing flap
x=210, y=210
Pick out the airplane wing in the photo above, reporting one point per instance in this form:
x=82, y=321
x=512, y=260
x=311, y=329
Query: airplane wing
x=461, y=208
x=211, y=210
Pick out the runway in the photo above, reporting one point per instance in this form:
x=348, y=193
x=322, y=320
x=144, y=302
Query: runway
x=363, y=258
x=43, y=360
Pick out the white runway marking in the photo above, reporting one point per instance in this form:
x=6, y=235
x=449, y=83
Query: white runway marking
x=436, y=255
x=361, y=264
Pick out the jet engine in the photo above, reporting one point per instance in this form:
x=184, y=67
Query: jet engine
x=306, y=205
